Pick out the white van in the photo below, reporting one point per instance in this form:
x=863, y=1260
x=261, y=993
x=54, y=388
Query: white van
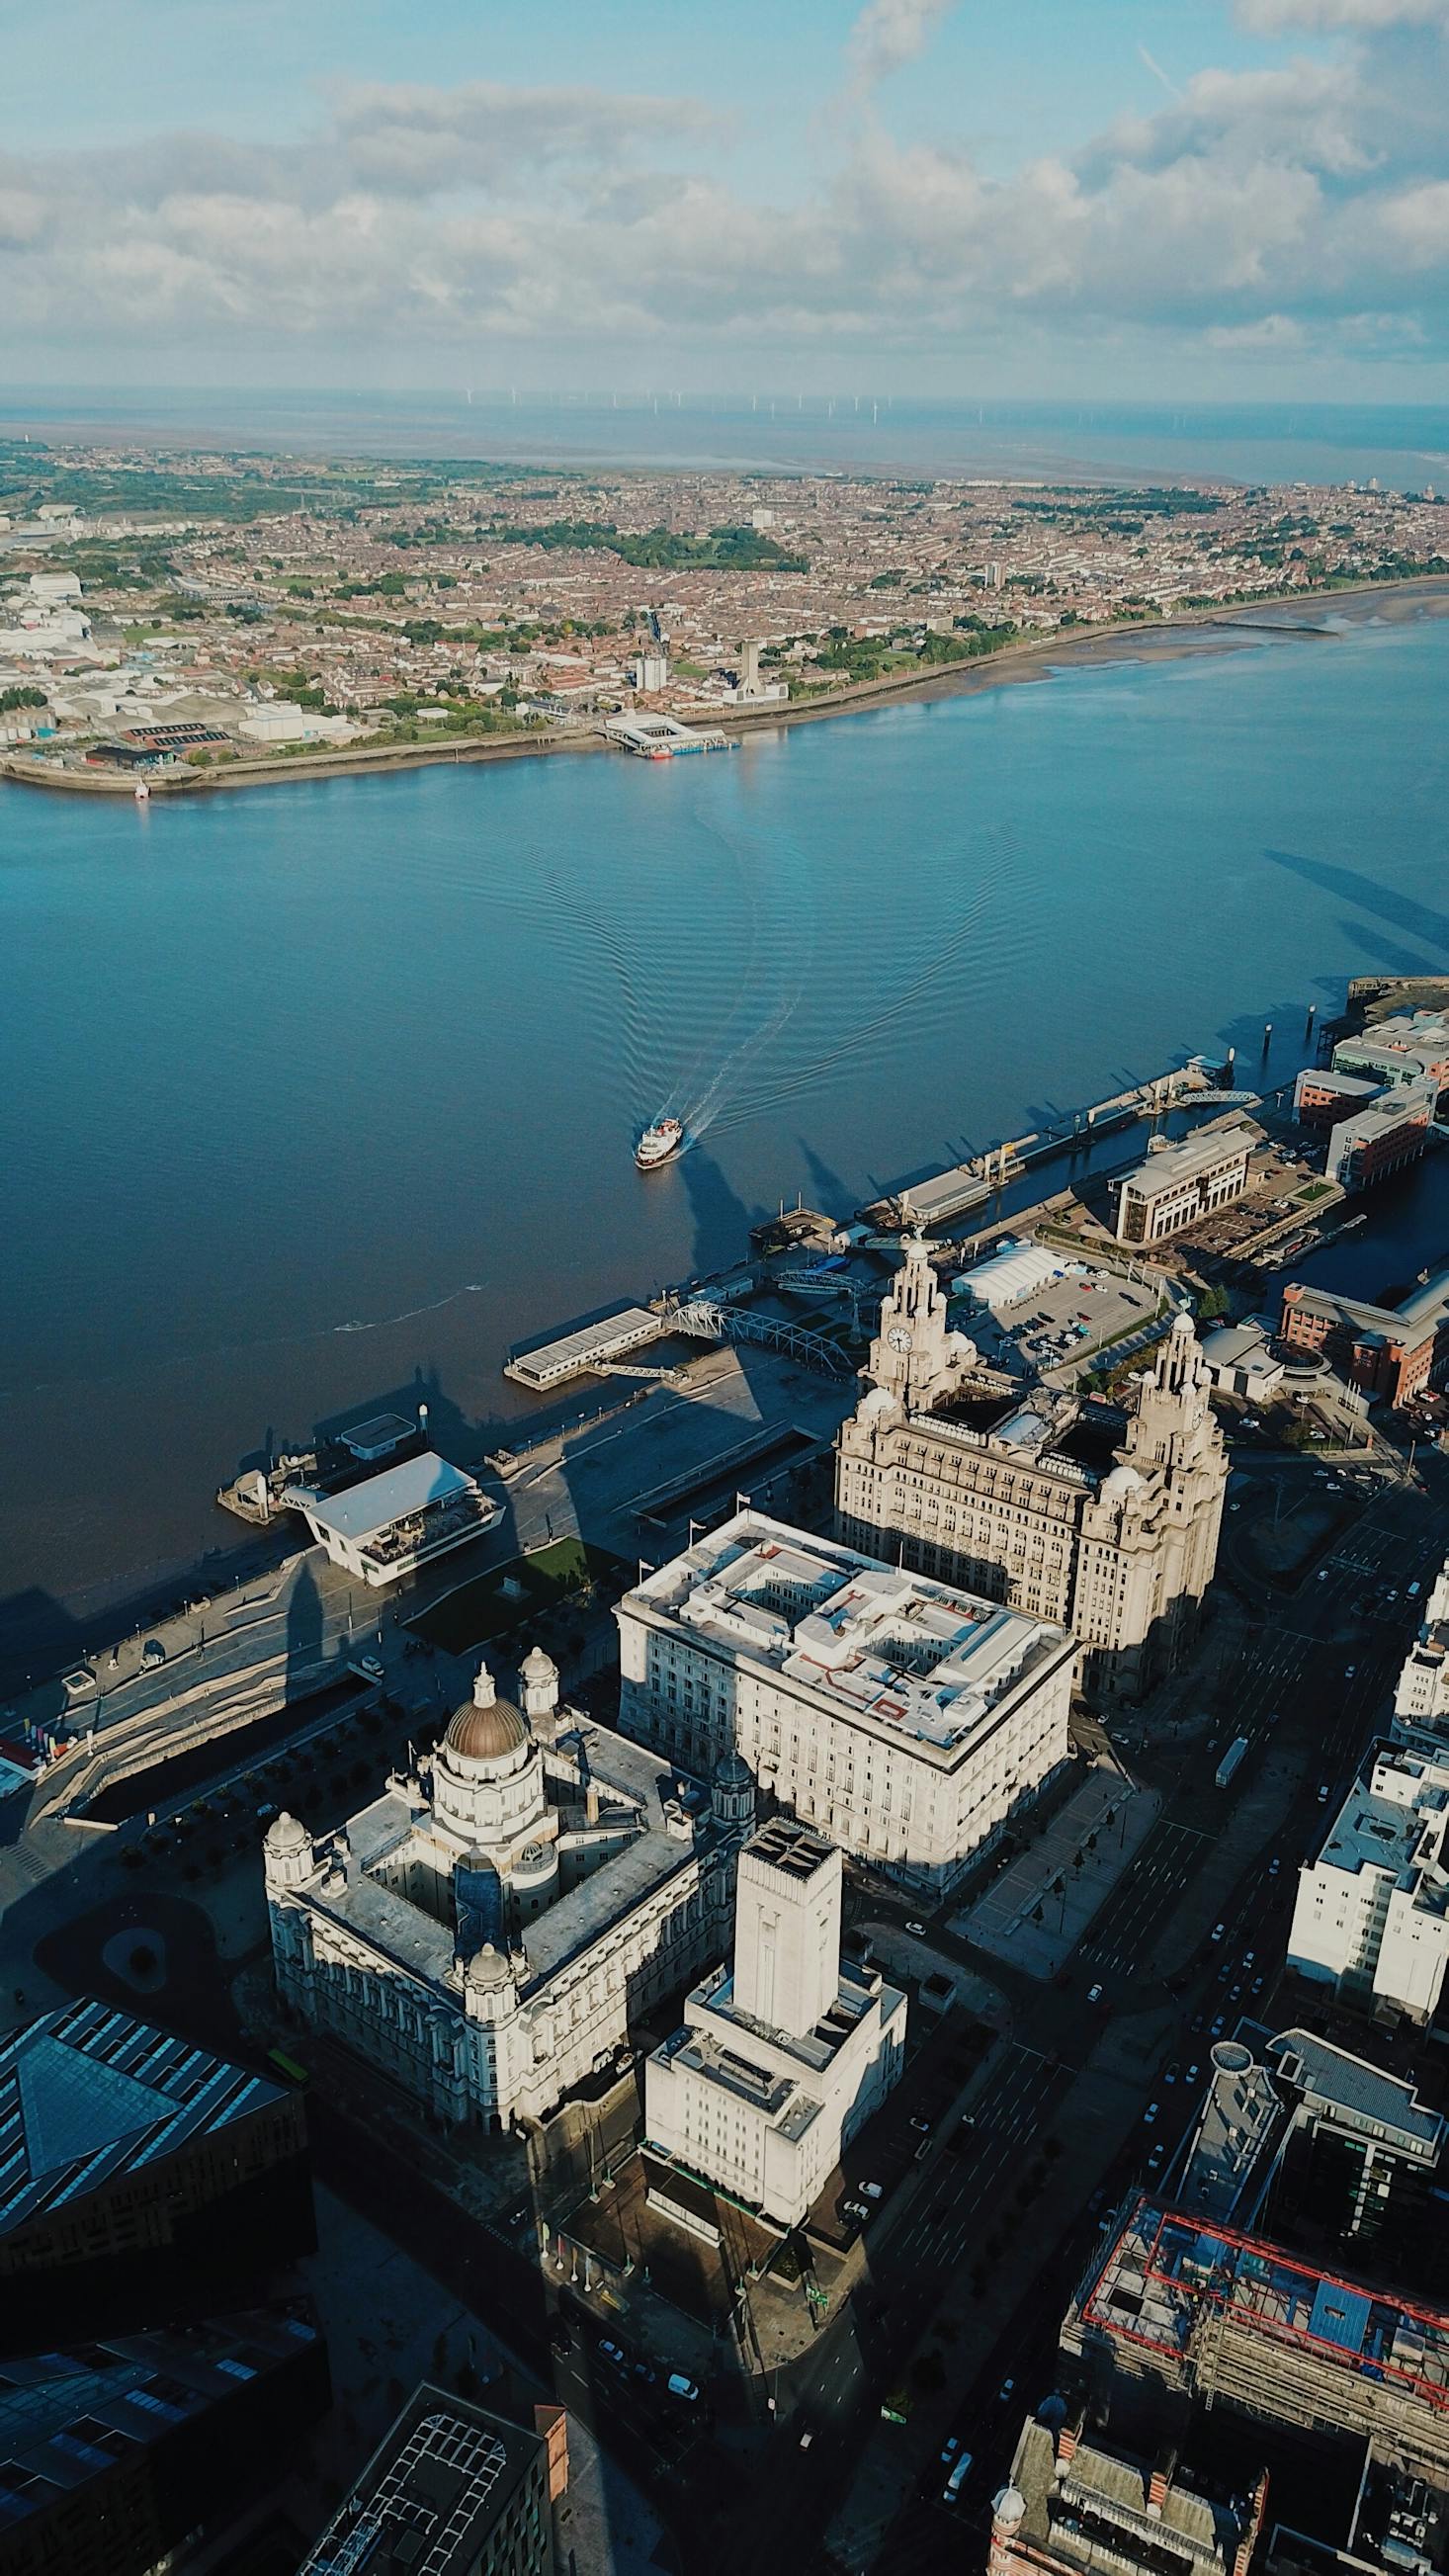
x=957, y=2479
x=679, y=2386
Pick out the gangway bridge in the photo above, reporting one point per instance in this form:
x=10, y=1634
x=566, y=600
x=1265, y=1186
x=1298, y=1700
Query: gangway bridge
x=706, y=1321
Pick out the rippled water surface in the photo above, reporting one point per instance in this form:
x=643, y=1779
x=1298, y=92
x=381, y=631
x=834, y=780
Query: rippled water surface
x=310, y=1094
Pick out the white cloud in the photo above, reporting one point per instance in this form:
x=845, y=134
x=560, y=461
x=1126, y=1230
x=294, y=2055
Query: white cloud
x=1339, y=17
x=1298, y=207
x=890, y=33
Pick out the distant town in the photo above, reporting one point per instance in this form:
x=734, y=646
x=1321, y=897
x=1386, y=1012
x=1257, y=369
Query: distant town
x=165, y=617
x=840, y=1957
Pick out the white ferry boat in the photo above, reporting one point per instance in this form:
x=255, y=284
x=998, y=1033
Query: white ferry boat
x=658, y=1142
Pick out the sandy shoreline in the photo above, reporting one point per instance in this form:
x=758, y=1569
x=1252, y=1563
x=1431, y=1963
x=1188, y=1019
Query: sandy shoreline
x=1293, y=616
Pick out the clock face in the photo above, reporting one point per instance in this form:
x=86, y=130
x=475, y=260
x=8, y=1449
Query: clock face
x=899, y=1338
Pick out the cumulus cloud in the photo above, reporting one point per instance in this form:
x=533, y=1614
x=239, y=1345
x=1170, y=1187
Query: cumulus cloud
x=1297, y=208
x=891, y=33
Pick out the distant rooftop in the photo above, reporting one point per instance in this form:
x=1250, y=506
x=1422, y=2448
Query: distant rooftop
x=874, y=1642
x=87, y=2093
x=432, y=2493
x=1331, y=2077
x=68, y=2417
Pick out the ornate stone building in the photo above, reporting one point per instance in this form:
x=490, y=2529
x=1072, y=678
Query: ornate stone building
x=491, y=1928
x=1035, y=1498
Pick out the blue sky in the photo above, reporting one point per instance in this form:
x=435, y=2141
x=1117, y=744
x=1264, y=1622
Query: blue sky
x=1076, y=197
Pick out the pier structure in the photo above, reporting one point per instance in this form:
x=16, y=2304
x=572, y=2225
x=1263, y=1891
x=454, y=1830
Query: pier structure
x=946, y=1194
x=585, y=1350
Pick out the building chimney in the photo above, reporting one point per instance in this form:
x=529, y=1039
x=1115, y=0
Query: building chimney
x=1160, y=2481
x=1069, y=2434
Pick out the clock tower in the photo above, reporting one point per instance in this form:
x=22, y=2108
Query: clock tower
x=914, y=1356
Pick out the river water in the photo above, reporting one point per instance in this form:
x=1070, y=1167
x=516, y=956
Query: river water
x=319, y=1096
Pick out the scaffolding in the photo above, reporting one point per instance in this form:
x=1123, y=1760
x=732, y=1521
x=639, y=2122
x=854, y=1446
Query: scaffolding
x=1223, y=2315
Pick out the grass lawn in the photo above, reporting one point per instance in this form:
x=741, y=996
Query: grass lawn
x=483, y=1609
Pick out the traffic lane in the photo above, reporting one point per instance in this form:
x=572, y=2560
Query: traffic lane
x=1142, y=1901
x=998, y=2154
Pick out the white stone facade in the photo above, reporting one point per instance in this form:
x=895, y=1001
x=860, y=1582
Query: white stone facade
x=1023, y=1502
x=1372, y=1912
x=904, y=1719
x=1179, y=1185
x=784, y=2057
x=489, y=1930
x=1421, y=1697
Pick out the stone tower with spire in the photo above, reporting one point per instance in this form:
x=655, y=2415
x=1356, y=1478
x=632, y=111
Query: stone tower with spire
x=1029, y=1503
x=915, y=1357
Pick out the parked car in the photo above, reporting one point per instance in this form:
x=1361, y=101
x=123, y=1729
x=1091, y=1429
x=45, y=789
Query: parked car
x=614, y=2353
x=871, y=2190
x=1150, y=2114
x=1094, y=1994
x=957, y=2479
x=679, y=2386
x=917, y=1931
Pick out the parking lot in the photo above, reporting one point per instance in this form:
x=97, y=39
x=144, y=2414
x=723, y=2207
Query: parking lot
x=1069, y=1318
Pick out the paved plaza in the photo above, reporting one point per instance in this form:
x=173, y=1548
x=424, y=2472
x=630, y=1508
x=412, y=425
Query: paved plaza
x=1034, y=1914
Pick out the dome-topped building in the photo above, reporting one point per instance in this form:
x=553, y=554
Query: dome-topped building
x=490, y=1927
x=488, y=1783
x=486, y=1728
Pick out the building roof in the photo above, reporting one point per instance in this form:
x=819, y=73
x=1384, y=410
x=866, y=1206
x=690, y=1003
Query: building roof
x=634, y=1786
x=1419, y=1315
x=1160, y=2271
x=365, y=1510
x=1394, y=1821
x=1173, y=1165
x=435, y=2488
x=1093, y=2511
x=486, y=1728
x=68, y=2417
x=1330, y=2076
x=872, y=1643
x=87, y=2093
x=1233, y=1344
x=1014, y=1272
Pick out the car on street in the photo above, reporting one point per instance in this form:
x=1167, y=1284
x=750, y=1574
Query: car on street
x=1219, y=2026
x=1323, y=1793
x=949, y=2450
x=561, y=2341
x=923, y=2127
x=1150, y=2114
x=1218, y=1930
x=1274, y=1866
x=1005, y=2391
x=1192, y=2075
x=957, y=2479
x=1172, y=2073
x=917, y=1931
x=614, y=2354
x=1257, y=1985
x=1155, y=2159
x=871, y=2190
x=1348, y=1671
